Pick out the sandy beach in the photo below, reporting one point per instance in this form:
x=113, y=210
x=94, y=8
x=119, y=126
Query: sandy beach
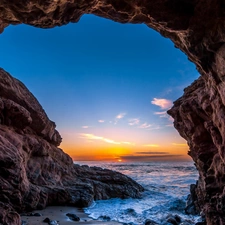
x=58, y=213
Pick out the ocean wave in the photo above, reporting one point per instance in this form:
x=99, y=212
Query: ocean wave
x=166, y=189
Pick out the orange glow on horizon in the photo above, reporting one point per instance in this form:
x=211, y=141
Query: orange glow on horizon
x=117, y=153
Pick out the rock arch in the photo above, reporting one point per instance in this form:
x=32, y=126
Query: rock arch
x=197, y=28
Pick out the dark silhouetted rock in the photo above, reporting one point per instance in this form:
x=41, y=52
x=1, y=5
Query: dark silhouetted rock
x=192, y=207
x=104, y=218
x=46, y=220
x=201, y=223
x=53, y=222
x=173, y=219
x=73, y=216
x=150, y=222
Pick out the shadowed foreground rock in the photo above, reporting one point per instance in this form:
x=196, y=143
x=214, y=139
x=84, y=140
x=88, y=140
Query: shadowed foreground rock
x=35, y=173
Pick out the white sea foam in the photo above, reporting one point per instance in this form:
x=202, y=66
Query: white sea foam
x=166, y=188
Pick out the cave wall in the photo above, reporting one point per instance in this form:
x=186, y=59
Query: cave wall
x=197, y=28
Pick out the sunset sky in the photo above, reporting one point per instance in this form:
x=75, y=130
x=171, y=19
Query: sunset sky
x=106, y=85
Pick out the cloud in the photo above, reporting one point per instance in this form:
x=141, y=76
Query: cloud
x=101, y=121
x=94, y=137
x=152, y=153
x=180, y=144
x=134, y=121
x=145, y=125
x=162, y=103
x=148, y=158
x=151, y=145
x=85, y=127
x=119, y=117
x=127, y=143
x=107, y=140
x=162, y=114
x=111, y=141
x=155, y=128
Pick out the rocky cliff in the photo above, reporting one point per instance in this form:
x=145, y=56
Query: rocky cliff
x=197, y=28
x=200, y=118
x=34, y=172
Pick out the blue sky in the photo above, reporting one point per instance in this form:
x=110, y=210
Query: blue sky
x=105, y=84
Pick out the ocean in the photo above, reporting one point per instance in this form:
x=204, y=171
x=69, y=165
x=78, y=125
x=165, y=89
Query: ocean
x=167, y=185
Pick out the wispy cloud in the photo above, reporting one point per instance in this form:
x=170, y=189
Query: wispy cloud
x=157, y=127
x=148, y=157
x=119, y=117
x=134, y=121
x=180, y=144
x=101, y=121
x=152, y=153
x=127, y=143
x=145, y=125
x=162, y=103
x=85, y=127
x=94, y=137
x=162, y=114
x=151, y=145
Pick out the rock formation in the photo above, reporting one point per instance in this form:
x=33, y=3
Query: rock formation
x=35, y=173
x=197, y=28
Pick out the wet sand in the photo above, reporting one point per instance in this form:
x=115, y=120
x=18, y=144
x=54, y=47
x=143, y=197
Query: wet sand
x=58, y=213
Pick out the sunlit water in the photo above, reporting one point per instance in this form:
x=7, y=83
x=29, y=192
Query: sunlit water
x=166, y=184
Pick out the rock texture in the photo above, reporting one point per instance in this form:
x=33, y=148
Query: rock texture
x=197, y=28
x=199, y=118
x=35, y=173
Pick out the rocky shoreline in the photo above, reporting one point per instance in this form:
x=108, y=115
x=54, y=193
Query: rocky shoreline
x=34, y=172
x=65, y=215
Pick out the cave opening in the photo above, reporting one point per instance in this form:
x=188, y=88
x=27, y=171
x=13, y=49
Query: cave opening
x=104, y=84
x=108, y=87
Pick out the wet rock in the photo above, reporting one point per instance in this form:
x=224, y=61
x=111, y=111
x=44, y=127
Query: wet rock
x=130, y=211
x=150, y=222
x=73, y=216
x=53, y=222
x=104, y=218
x=173, y=219
x=201, y=223
x=46, y=220
x=191, y=206
x=50, y=222
x=177, y=218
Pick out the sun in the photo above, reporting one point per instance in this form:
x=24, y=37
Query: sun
x=119, y=160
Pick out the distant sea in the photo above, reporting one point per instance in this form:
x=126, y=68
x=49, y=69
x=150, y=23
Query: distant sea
x=167, y=185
